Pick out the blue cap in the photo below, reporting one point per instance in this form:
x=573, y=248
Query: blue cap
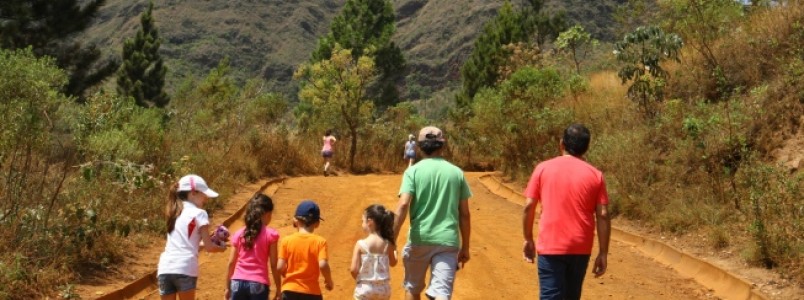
x=310, y=210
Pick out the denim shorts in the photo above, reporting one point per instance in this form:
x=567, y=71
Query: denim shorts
x=410, y=154
x=248, y=290
x=327, y=153
x=175, y=283
x=443, y=263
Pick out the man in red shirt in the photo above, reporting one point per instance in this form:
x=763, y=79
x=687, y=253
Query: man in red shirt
x=573, y=197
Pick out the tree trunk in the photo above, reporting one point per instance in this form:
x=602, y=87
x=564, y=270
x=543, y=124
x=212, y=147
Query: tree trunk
x=353, y=148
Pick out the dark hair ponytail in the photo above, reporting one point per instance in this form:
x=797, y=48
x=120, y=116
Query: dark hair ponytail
x=174, y=206
x=384, y=219
x=257, y=206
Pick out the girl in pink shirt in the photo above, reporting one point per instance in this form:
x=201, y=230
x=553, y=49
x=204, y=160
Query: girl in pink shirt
x=254, y=250
x=328, y=149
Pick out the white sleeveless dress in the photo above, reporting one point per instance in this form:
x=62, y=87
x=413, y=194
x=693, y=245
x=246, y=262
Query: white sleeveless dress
x=374, y=279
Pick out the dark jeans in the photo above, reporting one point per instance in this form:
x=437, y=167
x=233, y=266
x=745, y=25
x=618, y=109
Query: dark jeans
x=561, y=276
x=288, y=295
x=248, y=290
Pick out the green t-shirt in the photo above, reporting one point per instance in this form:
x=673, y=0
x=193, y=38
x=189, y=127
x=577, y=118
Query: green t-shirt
x=437, y=187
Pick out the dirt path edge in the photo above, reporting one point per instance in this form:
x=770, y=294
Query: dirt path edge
x=137, y=286
x=723, y=284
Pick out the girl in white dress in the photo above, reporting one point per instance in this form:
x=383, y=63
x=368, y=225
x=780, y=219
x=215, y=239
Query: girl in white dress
x=374, y=255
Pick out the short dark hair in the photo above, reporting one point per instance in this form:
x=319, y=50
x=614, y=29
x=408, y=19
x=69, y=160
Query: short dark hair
x=328, y=132
x=576, y=139
x=429, y=146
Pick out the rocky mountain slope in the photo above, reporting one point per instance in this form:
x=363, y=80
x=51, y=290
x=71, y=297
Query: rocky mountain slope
x=269, y=38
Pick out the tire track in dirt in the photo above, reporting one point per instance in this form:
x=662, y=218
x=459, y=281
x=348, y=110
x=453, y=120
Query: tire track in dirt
x=496, y=270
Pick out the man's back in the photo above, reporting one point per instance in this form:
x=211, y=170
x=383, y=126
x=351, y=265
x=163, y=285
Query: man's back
x=569, y=189
x=437, y=187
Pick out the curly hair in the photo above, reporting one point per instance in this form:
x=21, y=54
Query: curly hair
x=257, y=207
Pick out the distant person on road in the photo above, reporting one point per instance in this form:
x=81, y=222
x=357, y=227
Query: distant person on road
x=254, y=251
x=410, y=150
x=374, y=255
x=328, y=150
x=303, y=256
x=436, y=195
x=573, y=197
x=187, y=233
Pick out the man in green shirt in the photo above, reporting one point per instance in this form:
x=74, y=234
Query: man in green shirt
x=436, y=195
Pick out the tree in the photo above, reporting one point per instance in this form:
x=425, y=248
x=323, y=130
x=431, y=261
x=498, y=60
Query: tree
x=510, y=26
x=142, y=75
x=577, y=42
x=641, y=52
x=519, y=119
x=366, y=27
x=702, y=23
x=337, y=89
x=48, y=27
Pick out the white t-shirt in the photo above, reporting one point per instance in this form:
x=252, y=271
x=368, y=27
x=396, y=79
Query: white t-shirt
x=181, y=249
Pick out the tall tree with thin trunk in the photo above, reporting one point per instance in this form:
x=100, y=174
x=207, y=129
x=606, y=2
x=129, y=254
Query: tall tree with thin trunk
x=366, y=27
x=142, y=75
x=337, y=90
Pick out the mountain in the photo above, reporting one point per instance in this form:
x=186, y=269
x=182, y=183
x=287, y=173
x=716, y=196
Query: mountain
x=269, y=38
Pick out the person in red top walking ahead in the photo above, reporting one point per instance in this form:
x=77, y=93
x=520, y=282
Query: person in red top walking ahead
x=573, y=196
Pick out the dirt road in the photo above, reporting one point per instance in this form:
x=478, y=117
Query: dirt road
x=495, y=271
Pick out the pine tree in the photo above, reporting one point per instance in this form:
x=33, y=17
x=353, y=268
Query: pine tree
x=142, y=75
x=366, y=27
x=48, y=27
x=510, y=26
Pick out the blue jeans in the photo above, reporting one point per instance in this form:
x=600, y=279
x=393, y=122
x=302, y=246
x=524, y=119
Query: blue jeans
x=175, y=283
x=248, y=290
x=561, y=276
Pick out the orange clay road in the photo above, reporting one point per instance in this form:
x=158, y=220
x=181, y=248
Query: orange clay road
x=496, y=269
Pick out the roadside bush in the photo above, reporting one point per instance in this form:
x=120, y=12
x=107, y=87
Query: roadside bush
x=518, y=123
x=775, y=217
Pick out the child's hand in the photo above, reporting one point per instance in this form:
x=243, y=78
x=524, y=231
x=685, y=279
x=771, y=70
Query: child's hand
x=328, y=285
x=220, y=236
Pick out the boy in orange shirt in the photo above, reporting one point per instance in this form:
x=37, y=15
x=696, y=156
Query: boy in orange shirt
x=303, y=257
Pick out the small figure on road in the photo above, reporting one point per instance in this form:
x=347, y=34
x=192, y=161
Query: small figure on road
x=374, y=255
x=410, y=150
x=328, y=150
x=574, y=199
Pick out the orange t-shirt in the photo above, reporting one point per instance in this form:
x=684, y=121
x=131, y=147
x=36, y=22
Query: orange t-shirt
x=302, y=252
x=569, y=190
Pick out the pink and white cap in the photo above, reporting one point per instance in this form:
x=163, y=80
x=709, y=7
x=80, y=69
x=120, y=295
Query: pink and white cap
x=194, y=182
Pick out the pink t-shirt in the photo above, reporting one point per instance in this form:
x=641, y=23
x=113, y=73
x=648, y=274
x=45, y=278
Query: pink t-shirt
x=252, y=264
x=328, y=143
x=569, y=190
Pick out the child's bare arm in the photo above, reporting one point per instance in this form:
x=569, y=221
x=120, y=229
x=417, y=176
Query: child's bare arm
x=274, y=268
x=232, y=264
x=356, y=261
x=281, y=266
x=206, y=241
x=391, y=255
x=324, y=266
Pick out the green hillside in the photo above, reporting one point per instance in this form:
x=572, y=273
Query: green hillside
x=270, y=38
